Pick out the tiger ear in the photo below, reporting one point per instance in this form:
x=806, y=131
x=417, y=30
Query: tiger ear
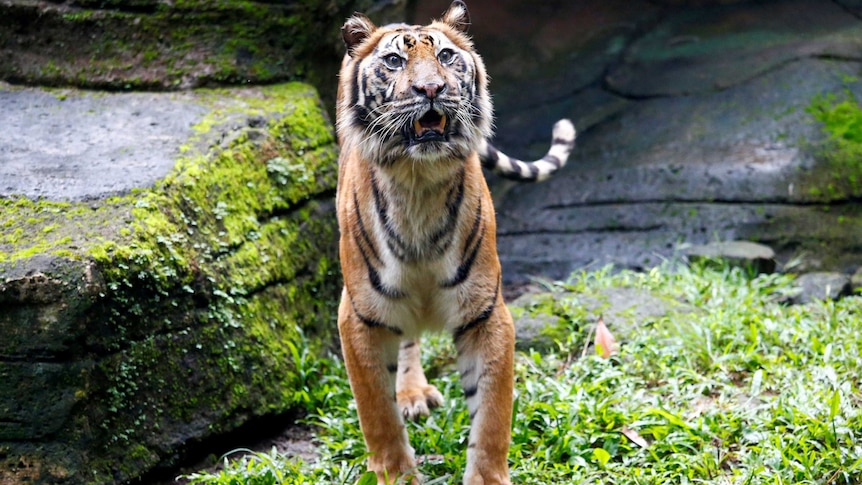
x=356, y=29
x=457, y=16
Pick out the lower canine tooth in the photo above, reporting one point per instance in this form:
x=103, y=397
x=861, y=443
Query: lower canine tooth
x=417, y=127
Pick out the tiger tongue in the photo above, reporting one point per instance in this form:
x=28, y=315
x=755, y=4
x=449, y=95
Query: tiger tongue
x=430, y=121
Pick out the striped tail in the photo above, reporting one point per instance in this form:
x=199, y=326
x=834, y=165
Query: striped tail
x=561, y=145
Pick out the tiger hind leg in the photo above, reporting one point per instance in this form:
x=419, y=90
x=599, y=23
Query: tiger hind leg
x=416, y=397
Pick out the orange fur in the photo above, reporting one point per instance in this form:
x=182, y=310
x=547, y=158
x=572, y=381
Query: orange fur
x=418, y=237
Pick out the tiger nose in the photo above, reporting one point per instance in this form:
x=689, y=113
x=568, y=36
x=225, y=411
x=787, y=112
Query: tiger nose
x=429, y=90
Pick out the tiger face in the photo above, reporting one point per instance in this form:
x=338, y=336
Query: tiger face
x=418, y=93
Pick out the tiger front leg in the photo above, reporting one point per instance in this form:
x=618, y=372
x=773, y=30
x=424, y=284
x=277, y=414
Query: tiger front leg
x=485, y=360
x=415, y=396
x=370, y=355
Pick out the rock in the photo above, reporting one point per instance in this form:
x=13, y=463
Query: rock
x=856, y=279
x=534, y=328
x=700, y=50
x=638, y=186
x=854, y=6
x=623, y=309
x=746, y=254
x=684, y=134
x=152, y=44
x=545, y=60
x=89, y=146
x=147, y=302
x=822, y=286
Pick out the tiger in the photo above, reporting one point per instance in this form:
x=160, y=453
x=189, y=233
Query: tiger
x=418, y=236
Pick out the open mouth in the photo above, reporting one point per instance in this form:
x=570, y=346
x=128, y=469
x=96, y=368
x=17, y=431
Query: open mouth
x=430, y=127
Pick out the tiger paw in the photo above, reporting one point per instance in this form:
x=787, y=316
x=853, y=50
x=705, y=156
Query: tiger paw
x=417, y=402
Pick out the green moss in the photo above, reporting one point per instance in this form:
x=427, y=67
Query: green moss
x=245, y=240
x=212, y=280
x=841, y=120
x=177, y=44
x=47, y=227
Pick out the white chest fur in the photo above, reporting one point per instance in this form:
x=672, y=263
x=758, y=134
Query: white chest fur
x=421, y=235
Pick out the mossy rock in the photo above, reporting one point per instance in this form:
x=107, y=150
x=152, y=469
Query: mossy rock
x=150, y=44
x=135, y=323
x=565, y=319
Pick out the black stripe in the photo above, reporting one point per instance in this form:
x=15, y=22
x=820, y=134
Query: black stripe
x=393, y=240
x=475, y=229
x=374, y=279
x=491, y=159
x=362, y=231
x=464, y=268
x=370, y=322
x=392, y=367
x=361, y=84
x=360, y=112
x=360, y=116
x=473, y=415
x=563, y=141
x=479, y=319
x=407, y=345
x=354, y=95
x=453, y=206
x=471, y=391
x=373, y=274
x=516, y=176
x=406, y=369
x=520, y=166
x=534, y=170
x=381, y=74
x=552, y=160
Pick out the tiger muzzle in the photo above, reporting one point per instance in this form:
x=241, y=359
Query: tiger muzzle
x=431, y=126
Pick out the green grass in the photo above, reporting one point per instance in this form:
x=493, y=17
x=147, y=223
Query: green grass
x=743, y=389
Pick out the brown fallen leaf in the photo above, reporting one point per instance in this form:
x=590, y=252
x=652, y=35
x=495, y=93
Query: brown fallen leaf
x=634, y=437
x=606, y=344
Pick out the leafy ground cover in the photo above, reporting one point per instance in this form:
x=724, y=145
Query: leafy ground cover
x=741, y=388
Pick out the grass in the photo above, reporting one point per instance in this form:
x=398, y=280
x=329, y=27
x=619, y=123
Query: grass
x=739, y=389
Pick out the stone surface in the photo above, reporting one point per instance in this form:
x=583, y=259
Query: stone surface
x=853, y=6
x=747, y=254
x=536, y=330
x=856, y=279
x=140, y=314
x=74, y=145
x=623, y=310
x=705, y=49
x=154, y=44
x=693, y=127
x=822, y=286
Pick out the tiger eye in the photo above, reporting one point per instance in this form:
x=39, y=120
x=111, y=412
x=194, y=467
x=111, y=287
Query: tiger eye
x=446, y=56
x=393, y=61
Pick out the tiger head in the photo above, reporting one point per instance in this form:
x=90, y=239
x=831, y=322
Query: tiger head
x=411, y=92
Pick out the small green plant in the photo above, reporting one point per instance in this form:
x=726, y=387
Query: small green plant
x=740, y=388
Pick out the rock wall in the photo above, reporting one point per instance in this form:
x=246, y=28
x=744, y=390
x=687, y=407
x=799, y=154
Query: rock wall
x=159, y=44
x=696, y=123
x=138, y=322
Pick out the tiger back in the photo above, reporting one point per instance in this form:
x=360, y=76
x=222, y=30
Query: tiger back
x=418, y=235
